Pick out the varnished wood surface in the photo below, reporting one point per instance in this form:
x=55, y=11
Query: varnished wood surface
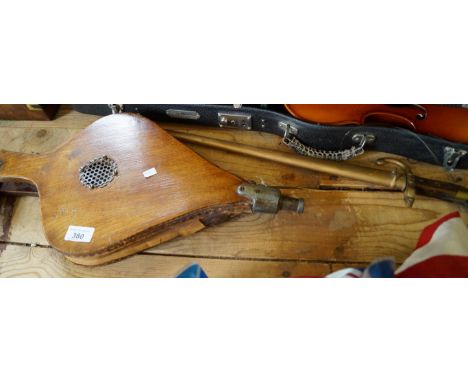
x=351, y=224
x=133, y=212
x=439, y=120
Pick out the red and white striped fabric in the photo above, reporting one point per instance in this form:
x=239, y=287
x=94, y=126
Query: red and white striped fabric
x=442, y=250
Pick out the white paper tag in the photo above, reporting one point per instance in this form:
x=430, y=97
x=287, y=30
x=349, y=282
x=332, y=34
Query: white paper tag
x=80, y=234
x=150, y=172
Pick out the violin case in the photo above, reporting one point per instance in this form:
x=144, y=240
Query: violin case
x=318, y=140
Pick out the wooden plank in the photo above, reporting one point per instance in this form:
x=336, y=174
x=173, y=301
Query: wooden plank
x=336, y=226
x=339, y=227
x=26, y=225
x=35, y=139
x=65, y=118
x=26, y=261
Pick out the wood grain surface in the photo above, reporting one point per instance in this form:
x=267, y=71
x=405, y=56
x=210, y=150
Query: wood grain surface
x=26, y=261
x=132, y=212
x=345, y=222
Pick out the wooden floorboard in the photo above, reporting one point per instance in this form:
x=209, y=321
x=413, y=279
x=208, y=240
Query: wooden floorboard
x=352, y=223
x=336, y=226
x=27, y=261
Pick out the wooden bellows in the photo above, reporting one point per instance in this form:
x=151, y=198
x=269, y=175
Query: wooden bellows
x=100, y=203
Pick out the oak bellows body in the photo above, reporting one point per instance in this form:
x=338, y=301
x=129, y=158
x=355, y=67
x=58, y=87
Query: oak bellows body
x=100, y=203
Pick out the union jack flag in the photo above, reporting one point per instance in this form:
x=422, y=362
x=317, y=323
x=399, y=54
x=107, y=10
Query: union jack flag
x=442, y=251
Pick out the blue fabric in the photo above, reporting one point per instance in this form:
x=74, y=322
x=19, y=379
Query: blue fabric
x=193, y=271
x=382, y=268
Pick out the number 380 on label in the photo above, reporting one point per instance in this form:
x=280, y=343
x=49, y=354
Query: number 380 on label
x=79, y=234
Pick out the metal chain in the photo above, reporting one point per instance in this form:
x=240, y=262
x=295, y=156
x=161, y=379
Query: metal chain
x=339, y=155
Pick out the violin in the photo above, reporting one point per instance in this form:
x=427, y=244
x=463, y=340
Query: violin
x=444, y=121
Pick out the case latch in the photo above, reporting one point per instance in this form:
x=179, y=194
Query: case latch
x=236, y=120
x=451, y=157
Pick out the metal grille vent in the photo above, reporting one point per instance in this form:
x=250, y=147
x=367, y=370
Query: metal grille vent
x=98, y=173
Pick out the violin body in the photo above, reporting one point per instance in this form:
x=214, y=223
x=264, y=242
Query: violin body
x=445, y=121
